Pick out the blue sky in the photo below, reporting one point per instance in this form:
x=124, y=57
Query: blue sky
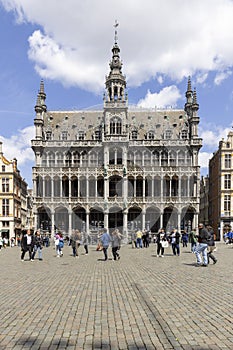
x=68, y=44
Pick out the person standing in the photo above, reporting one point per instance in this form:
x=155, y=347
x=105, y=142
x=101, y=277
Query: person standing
x=116, y=243
x=105, y=240
x=175, y=241
x=27, y=244
x=201, y=249
x=38, y=245
x=184, y=238
x=211, y=245
x=161, y=236
x=139, y=238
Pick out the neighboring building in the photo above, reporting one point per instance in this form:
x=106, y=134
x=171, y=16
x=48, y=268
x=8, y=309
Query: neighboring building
x=204, y=200
x=13, y=194
x=116, y=167
x=221, y=187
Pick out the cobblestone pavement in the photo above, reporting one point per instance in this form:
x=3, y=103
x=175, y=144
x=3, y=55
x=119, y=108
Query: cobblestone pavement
x=138, y=302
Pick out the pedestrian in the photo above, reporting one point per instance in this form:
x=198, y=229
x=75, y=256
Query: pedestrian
x=116, y=244
x=193, y=240
x=27, y=244
x=38, y=245
x=86, y=241
x=105, y=241
x=5, y=242
x=75, y=240
x=139, y=238
x=133, y=239
x=12, y=241
x=211, y=245
x=202, y=246
x=160, y=240
x=144, y=238
x=59, y=244
x=1, y=242
x=175, y=242
x=184, y=238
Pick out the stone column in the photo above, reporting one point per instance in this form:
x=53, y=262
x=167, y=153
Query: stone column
x=125, y=228
x=178, y=219
x=87, y=221
x=52, y=224
x=70, y=222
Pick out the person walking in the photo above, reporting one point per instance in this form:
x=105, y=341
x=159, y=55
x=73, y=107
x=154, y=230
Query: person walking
x=59, y=244
x=105, y=240
x=211, y=245
x=202, y=246
x=75, y=240
x=116, y=244
x=27, y=244
x=86, y=241
x=193, y=240
x=38, y=246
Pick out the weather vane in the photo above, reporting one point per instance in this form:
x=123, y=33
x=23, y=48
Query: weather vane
x=116, y=25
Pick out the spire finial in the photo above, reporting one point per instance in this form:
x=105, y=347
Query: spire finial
x=116, y=25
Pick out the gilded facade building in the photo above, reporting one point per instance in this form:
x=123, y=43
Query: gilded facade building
x=116, y=167
x=13, y=198
x=221, y=187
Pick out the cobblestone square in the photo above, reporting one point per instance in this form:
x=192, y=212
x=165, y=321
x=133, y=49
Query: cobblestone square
x=138, y=302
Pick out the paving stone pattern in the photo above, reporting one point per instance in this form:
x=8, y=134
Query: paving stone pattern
x=138, y=302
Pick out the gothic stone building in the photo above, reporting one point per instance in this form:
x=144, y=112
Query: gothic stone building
x=116, y=167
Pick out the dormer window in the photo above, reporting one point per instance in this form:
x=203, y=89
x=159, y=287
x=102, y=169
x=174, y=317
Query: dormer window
x=48, y=136
x=134, y=135
x=81, y=135
x=64, y=135
x=97, y=135
x=150, y=135
x=115, y=126
x=168, y=134
x=184, y=134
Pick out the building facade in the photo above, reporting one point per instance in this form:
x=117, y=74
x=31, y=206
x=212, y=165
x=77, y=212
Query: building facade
x=221, y=187
x=116, y=167
x=13, y=198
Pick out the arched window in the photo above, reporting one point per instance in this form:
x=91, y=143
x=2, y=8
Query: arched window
x=115, y=126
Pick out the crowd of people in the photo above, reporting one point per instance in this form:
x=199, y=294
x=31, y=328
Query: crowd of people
x=202, y=243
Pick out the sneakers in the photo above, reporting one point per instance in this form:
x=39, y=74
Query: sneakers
x=215, y=261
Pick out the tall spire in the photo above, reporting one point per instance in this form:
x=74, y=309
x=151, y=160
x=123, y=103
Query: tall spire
x=195, y=105
x=115, y=81
x=189, y=98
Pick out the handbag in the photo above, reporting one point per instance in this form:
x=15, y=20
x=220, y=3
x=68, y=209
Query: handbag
x=164, y=244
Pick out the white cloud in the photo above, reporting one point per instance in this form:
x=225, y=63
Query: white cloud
x=167, y=97
x=204, y=158
x=156, y=38
x=19, y=146
x=221, y=76
x=212, y=134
